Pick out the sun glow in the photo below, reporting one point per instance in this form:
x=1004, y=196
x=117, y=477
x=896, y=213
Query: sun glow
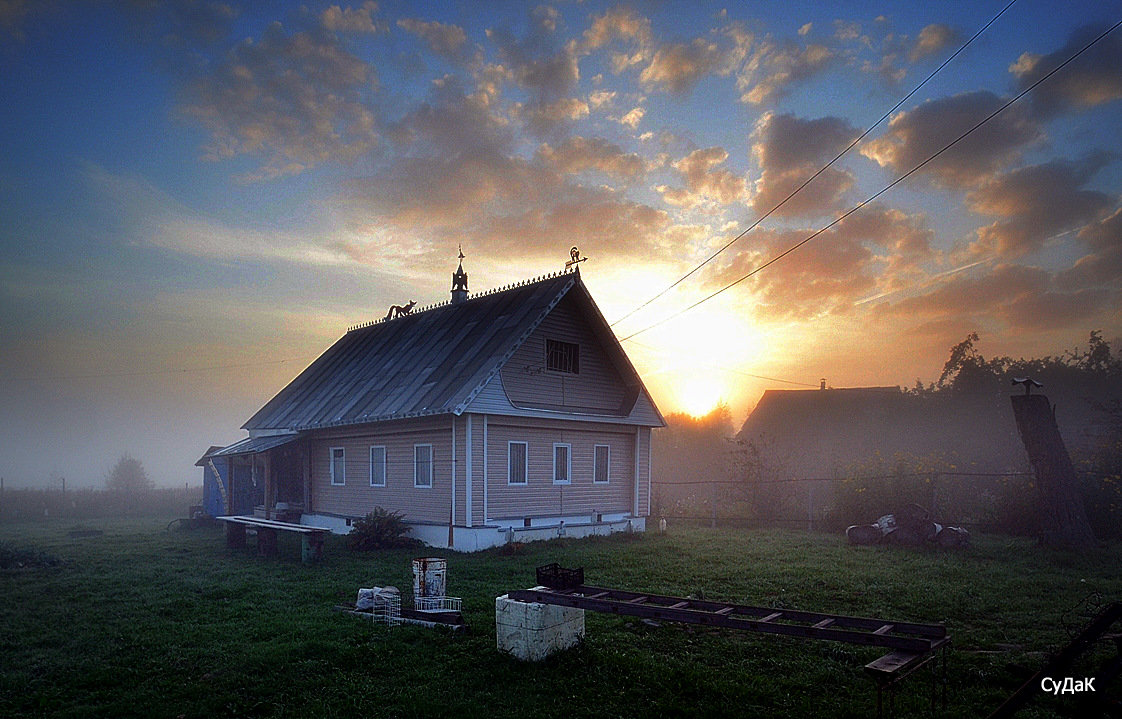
x=700, y=394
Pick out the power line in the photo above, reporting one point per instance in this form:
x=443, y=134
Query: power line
x=883, y=190
x=182, y=370
x=735, y=371
x=825, y=167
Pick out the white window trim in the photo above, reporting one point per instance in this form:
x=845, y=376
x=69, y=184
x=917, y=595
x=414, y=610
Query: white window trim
x=385, y=454
x=331, y=463
x=432, y=461
x=607, y=464
x=526, y=468
x=568, y=462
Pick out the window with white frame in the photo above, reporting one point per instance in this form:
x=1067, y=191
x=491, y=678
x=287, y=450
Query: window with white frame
x=562, y=463
x=600, y=461
x=516, y=462
x=377, y=466
x=338, y=465
x=422, y=465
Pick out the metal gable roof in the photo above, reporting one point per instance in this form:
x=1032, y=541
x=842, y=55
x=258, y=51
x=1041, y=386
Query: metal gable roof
x=432, y=361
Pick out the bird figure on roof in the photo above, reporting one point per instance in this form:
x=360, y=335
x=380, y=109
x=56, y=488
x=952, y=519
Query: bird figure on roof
x=1028, y=383
x=574, y=257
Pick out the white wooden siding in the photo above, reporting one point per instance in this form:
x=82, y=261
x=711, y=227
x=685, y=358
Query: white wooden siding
x=356, y=498
x=540, y=497
x=598, y=387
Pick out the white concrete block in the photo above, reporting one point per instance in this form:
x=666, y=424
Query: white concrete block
x=532, y=631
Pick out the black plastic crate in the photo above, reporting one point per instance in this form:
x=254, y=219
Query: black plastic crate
x=555, y=576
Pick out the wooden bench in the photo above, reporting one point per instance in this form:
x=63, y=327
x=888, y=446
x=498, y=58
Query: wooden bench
x=311, y=537
x=894, y=666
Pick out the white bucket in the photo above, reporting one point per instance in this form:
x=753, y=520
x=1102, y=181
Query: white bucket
x=429, y=577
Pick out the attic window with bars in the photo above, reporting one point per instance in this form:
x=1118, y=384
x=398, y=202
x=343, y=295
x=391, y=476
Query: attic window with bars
x=562, y=357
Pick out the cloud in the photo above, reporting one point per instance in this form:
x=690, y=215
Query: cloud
x=1103, y=266
x=789, y=150
x=547, y=72
x=1091, y=79
x=446, y=40
x=536, y=65
x=296, y=100
x=633, y=117
x=915, y=135
x=776, y=67
x=618, y=23
x=1022, y=298
x=1056, y=310
x=581, y=154
x=455, y=173
x=706, y=182
x=351, y=20
x=600, y=98
x=1036, y=203
x=932, y=39
x=875, y=251
x=678, y=67
x=543, y=117
x=150, y=216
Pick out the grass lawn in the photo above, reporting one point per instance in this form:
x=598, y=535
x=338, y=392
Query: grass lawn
x=140, y=621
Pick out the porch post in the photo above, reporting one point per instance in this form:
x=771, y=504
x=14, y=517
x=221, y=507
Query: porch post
x=269, y=489
x=306, y=463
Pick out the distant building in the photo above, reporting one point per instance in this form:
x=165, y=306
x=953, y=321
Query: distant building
x=510, y=414
x=826, y=433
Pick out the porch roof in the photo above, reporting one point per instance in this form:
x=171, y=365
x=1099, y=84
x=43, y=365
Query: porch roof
x=249, y=445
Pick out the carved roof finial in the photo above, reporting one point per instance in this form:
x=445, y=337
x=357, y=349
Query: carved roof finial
x=459, y=281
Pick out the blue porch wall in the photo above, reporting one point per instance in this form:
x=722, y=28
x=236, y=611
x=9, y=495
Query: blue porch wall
x=238, y=479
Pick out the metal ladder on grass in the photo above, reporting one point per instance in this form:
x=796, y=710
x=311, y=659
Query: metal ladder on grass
x=905, y=636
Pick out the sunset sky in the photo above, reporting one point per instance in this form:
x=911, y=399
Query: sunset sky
x=197, y=198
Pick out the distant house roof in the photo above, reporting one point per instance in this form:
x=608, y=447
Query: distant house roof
x=818, y=433
x=432, y=361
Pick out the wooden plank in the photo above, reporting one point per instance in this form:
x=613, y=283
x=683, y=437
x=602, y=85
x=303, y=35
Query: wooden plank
x=885, y=629
x=772, y=616
x=895, y=662
x=823, y=624
x=273, y=524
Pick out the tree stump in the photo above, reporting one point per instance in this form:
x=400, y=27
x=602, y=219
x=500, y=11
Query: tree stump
x=1064, y=516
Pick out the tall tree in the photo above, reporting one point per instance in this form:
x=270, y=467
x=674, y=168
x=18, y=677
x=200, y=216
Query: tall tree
x=128, y=477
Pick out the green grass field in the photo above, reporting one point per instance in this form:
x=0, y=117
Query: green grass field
x=141, y=621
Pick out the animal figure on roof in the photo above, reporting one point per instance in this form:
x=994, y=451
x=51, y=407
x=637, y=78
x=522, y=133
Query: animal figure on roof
x=574, y=255
x=400, y=310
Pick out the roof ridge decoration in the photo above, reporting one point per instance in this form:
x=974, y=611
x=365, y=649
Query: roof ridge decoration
x=495, y=290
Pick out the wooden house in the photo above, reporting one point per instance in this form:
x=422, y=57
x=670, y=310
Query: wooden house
x=509, y=415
